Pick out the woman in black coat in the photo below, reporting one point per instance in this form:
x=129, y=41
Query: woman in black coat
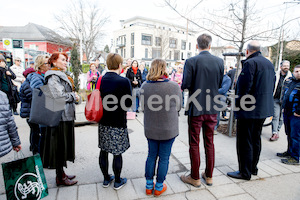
x=6, y=85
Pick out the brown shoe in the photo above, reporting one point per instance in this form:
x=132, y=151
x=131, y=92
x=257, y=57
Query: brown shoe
x=70, y=177
x=189, y=180
x=65, y=181
x=208, y=180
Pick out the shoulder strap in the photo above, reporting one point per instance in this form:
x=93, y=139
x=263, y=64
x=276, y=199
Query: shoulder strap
x=98, y=83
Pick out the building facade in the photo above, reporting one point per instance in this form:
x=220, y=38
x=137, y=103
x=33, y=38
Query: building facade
x=145, y=39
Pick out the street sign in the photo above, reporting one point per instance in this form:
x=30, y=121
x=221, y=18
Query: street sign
x=18, y=44
x=7, y=43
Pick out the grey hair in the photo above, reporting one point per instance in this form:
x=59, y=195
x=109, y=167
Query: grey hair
x=204, y=41
x=252, y=46
x=285, y=61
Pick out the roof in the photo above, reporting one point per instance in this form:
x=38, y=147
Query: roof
x=32, y=32
x=137, y=18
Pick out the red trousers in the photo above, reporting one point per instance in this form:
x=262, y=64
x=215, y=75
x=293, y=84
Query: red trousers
x=207, y=122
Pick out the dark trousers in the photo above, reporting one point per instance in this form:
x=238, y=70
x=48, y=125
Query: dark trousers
x=292, y=129
x=34, y=137
x=207, y=122
x=248, y=144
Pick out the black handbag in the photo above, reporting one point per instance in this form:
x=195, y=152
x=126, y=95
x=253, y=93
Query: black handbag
x=45, y=109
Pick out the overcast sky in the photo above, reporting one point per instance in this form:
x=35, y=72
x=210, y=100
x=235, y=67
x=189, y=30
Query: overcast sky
x=22, y=12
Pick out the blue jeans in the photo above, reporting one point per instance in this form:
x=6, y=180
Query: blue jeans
x=292, y=129
x=161, y=149
x=277, y=120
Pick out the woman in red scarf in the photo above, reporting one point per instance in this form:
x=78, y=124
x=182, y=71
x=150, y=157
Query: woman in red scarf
x=135, y=77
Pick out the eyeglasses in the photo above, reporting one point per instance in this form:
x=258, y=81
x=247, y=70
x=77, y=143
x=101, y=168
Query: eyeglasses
x=18, y=60
x=46, y=63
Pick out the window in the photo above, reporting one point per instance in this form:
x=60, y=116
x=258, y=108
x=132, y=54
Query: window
x=60, y=50
x=156, y=53
x=132, y=52
x=173, y=43
x=189, y=55
x=124, y=53
x=183, y=45
x=182, y=56
x=146, y=53
x=132, y=38
x=146, y=39
x=157, y=41
x=190, y=46
x=176, y=55
x=170, y=55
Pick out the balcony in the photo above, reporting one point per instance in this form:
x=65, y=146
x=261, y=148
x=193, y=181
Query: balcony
x=120, y=45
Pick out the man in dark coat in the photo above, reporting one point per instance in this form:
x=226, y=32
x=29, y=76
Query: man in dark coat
x=257, y=80
x=202, y=76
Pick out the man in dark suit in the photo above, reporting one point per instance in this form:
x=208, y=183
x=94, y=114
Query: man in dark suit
x=256, y=79
x=202, y=76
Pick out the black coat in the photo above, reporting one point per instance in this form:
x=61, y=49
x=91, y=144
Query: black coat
x=257, y=78
x=26, y=97
x=204, y=72
x=130, y=75
x=10, y=94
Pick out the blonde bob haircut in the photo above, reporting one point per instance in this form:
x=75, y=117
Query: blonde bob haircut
x=157, y=70
x=113, y=61
x=39, y=61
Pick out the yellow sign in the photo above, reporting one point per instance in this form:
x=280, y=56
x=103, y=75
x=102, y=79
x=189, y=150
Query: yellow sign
x=7, y=42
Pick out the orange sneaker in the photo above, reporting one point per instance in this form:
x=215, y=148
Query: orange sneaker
x=158, y=193
x=149, y=191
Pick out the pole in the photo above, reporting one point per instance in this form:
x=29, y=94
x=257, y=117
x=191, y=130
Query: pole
x=187, y=38
x=281, y=51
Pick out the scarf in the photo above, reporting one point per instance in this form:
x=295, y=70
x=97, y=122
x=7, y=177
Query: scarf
x=134, y=69
x=69, y=77
x=40, y=73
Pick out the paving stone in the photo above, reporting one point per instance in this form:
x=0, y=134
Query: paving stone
x=219, y=180
x=139, y=185
x=127, y=192
x=293, y=168
x=224, y=169
x=277, y=166
x=183, y=154
x=199, y=194
x=262, y=174
x=268, y=169
x=87, y=192
x=51, y=194
x=176, y=184
x=217, y=172
x=106, y=193
x=184, y=160
x=225, y=190
x=239, y=197
x=67, y=193
x=168, y=197
x=3, y=197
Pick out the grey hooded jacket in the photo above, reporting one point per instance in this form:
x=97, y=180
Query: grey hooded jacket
x=8, y=130
x=61, y=87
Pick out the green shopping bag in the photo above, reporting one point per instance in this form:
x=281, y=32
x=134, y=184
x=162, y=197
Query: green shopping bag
x=25, y=178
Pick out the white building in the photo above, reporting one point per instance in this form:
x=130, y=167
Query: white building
x=144, y=39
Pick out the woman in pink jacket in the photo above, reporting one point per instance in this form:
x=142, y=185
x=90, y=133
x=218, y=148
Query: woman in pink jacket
x=92, y=77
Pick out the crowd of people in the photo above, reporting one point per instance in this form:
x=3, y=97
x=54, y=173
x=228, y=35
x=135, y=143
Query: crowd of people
x=274, y=94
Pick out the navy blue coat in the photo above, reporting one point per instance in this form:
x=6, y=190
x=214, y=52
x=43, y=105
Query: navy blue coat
x=257, y=78
x=33, y=80
x=26, y=96
x=202, y=72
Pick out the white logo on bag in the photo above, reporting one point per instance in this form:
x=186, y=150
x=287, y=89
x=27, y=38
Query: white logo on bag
x=24, y=187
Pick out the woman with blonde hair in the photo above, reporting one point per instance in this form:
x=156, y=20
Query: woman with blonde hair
x=113, y=134
x=160, y=123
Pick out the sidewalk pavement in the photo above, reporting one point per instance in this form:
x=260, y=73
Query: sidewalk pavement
x=274, y=180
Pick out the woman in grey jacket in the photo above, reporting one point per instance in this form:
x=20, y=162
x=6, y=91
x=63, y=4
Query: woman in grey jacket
x=9, y=138
x=59, y=141
x=160, y=123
